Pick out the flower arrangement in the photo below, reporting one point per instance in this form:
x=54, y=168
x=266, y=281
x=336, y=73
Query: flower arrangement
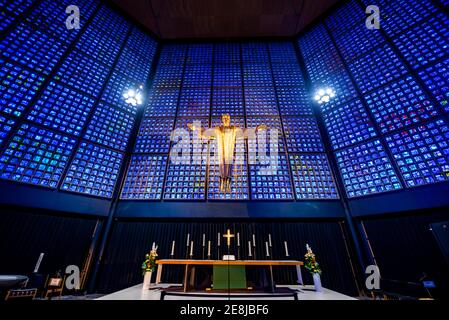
x=149, y=265
x=310, y=262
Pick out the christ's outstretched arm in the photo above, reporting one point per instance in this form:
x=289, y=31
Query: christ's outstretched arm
x=201, y=131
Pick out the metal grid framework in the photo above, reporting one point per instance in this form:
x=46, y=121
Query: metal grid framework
x=61, y=86
x=255, y=83
x=388, y=125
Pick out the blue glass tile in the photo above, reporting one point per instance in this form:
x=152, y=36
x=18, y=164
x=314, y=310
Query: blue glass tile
x=342, y=85
x=257, y=75
x=260, y=102
x=399, y=105
x=145, y=177
x=288, y=75
x=17, y=88
x=347, y=16
x=282, y=52
x=358, y=40
x=377, y=68
x=366, y=169
x=114, y=91
x=142, y=43
x=110, y=127
x=422, y=153
x=36, y=156
x=255, y=52
x=227, y=100
x=302, y=134
x=271, y=181
x=134, y=65
x=6, y=126
x=60, y=108
x=162, y=103
x=294, y=101
x=111, y=23
x=198, y=76
x=200, y=54
x=227, y=75
x=154, y=136
x=173, y=54
x=436, y=79
x=185, y=181
x=168, y=76
x=348, y=124
x=398, y=14
x=32, y=48
x=194, y=102
x=312, y=177
x=51, y=16
x=11, y=10
x=82, y=73
x=227, y=53
x=426, y=42
x=94, y=171
x=314, y=40
x=99, y=45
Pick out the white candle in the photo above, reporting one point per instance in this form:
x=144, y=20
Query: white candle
x=254, y=240
x=266, y=247
x=238, y=239
x=249, y=249
x=269, y=240
x=173, y=248
x=208, y=248
x=218, y=242
x=286, y=249
x=204, y=240
x=188, y=239
x=153, y=246
x=191, y=248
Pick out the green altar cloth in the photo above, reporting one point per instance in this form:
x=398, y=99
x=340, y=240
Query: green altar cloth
x=229, y=277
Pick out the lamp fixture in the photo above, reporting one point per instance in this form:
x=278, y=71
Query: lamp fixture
x=134, y=97
x=324, y=95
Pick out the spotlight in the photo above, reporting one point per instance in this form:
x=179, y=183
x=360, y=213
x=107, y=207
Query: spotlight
x=134, y=97
x=325, y=95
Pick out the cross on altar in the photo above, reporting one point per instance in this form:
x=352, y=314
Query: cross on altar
x=228, y=237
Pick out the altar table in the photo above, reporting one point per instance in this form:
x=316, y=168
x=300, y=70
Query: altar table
x=192, y=263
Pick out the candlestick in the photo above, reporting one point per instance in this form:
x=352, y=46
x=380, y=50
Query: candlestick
x=249, y=249
x=208, y=248
x=238, y=239
x=188, y=239
x=286, y=249
x=191, y=248
x=218, y=241
x=269, y=240
x=254, y=240
x=266, y=247
x=204, y=240
x=173, y=248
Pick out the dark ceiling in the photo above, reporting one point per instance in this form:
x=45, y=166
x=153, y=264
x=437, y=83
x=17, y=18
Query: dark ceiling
x=178, y=19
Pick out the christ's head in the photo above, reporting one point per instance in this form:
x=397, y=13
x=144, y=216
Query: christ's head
x=226, y=119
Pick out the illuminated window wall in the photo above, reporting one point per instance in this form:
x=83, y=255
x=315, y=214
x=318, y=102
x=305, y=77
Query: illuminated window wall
x=63, y=122
x=257, y=83
x=388, y=125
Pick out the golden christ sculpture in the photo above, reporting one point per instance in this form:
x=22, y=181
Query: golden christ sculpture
x=226, y=136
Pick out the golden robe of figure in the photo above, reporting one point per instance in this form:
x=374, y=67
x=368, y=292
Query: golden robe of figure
x=226, y=136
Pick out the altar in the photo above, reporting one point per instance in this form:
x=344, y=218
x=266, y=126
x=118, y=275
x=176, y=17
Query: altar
x=221, y=275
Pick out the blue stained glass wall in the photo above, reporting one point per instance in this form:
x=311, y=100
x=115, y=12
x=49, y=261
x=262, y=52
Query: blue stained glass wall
x=63, y=123
x=256, y=83
x=388, y=122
